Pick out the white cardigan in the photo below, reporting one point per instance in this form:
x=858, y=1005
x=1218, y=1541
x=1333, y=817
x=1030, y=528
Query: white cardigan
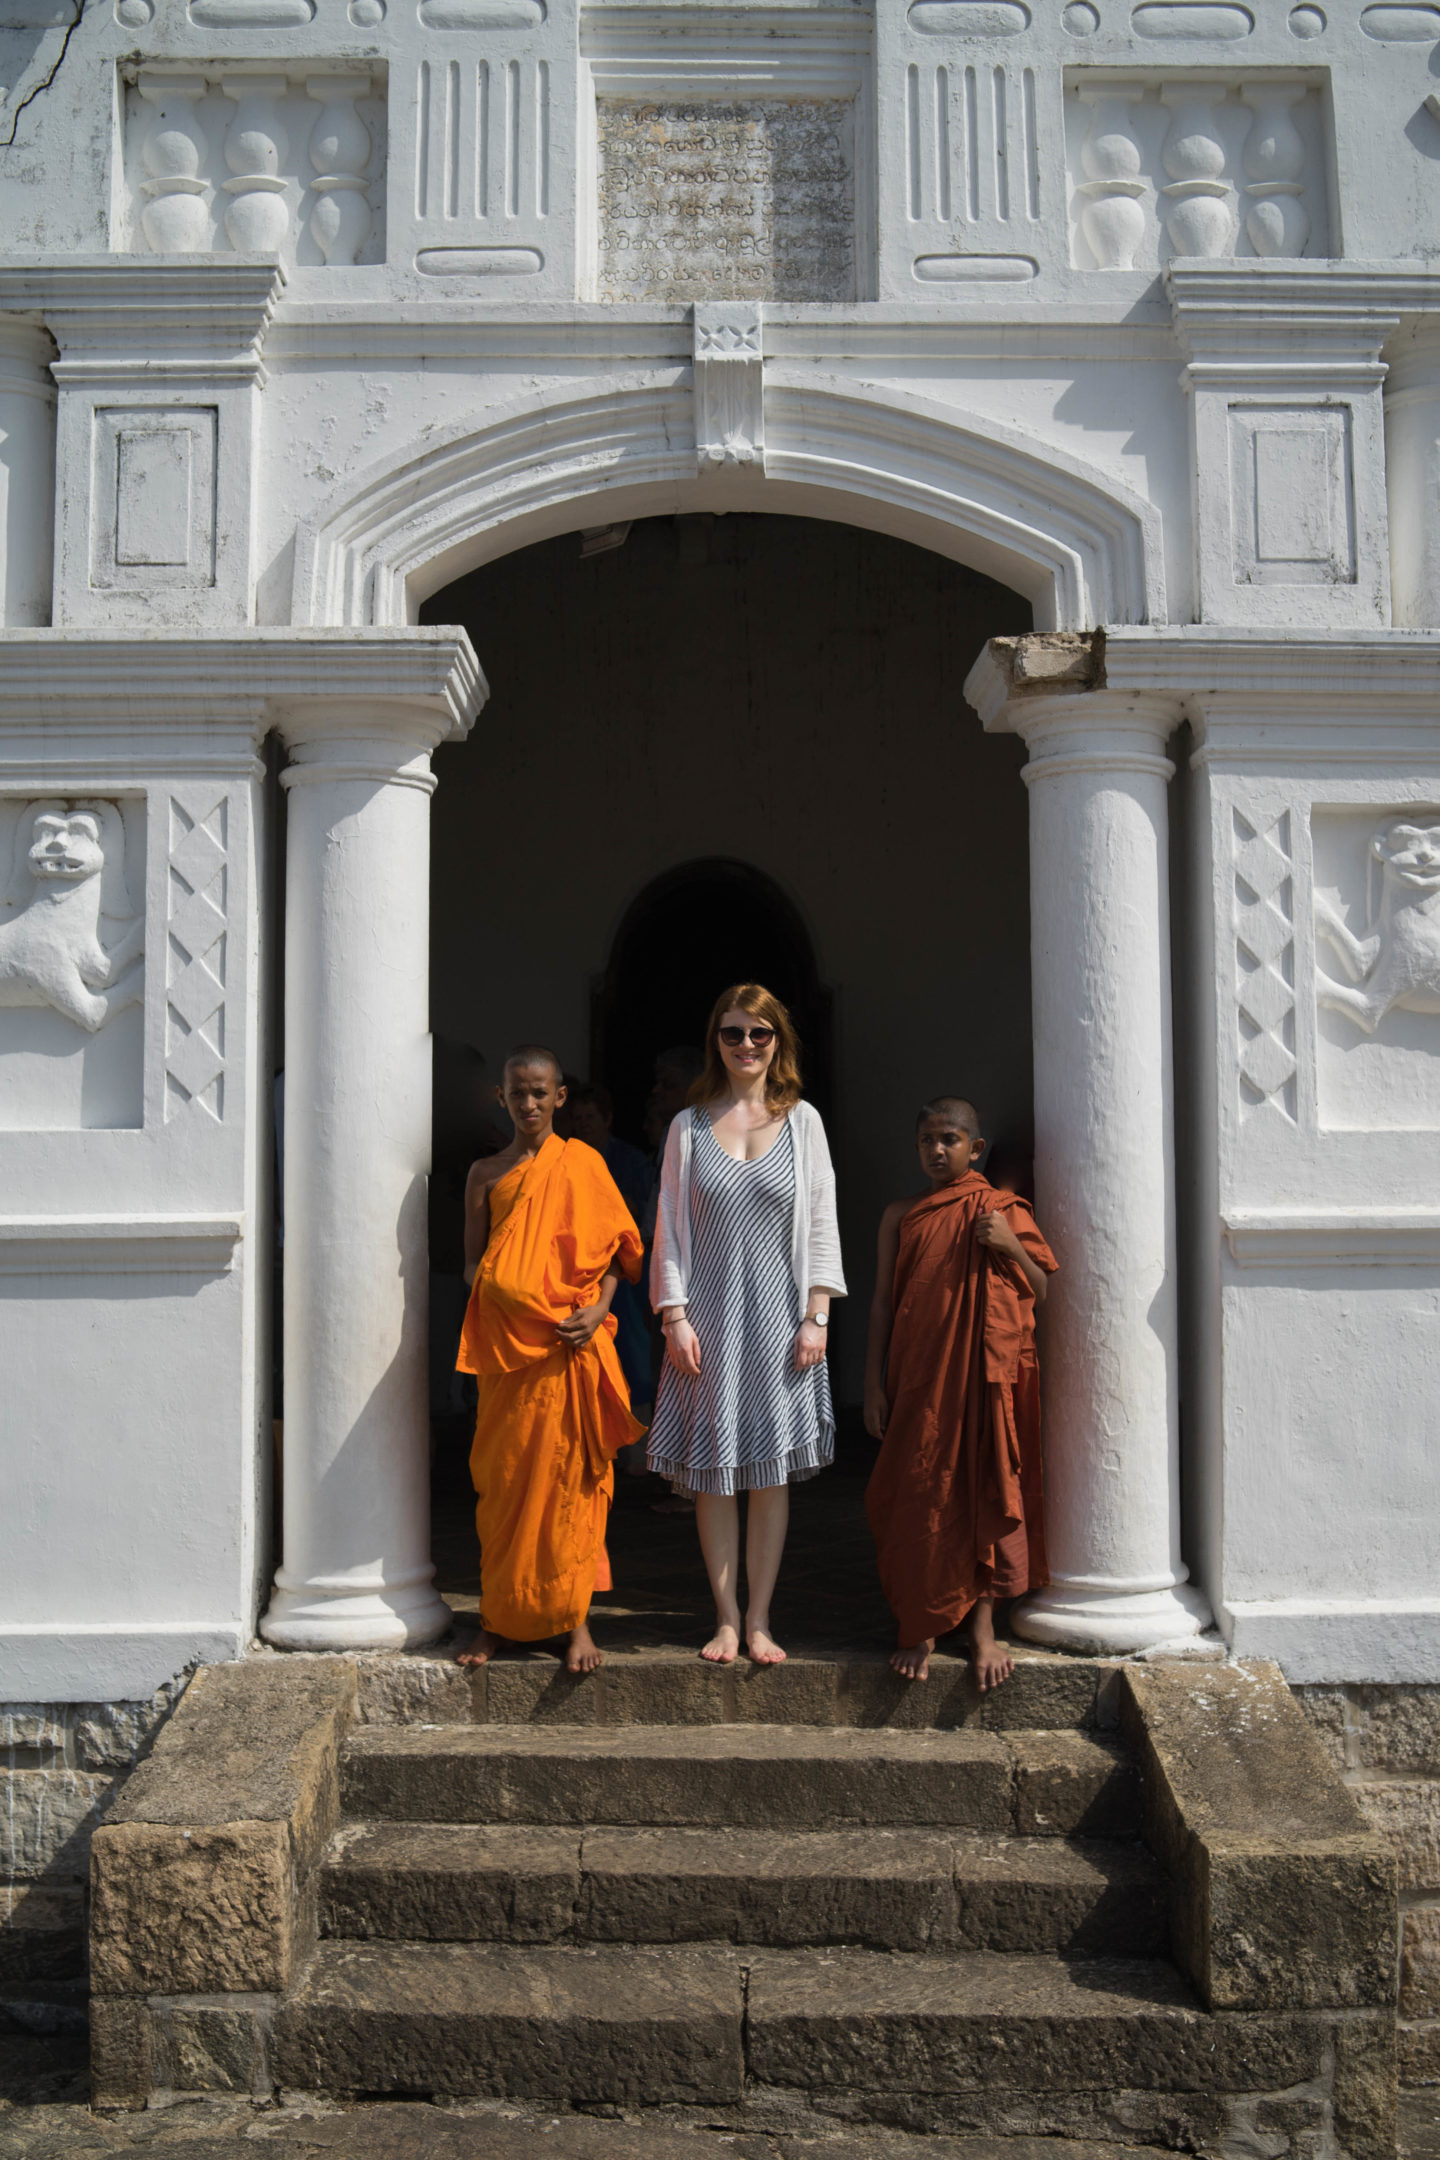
x=815, y=1237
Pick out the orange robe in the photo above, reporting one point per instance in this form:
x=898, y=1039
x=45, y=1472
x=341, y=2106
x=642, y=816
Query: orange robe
x=550, y=1419
x=955, y=1498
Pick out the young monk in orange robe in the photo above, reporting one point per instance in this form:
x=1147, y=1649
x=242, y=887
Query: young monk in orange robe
x=952, y=1390
x=547, y=1239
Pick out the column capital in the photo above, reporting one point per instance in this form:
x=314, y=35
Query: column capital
x=373, y=707
x=1050, y=689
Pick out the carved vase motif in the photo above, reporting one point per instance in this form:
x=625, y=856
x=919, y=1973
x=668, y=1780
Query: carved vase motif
x=1197, y=200
x=1112, y=217
x=1277, y=221
x=258, y=219
x=176, y=216
x=340, y=153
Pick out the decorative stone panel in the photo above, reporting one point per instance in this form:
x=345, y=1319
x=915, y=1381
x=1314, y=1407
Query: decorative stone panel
x=1377, y=967
x=195, y=1045
x=743, y=199
x=224, y=157
x=1265, y=965
x=1194, y=164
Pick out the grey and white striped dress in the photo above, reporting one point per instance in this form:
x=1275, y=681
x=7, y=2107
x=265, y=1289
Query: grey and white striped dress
x=750, y=1419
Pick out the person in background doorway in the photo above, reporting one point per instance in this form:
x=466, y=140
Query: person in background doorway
x=676, y=1071
x=746, y=1262
x=547, y=1240
x=952, y=1391
x=590, y=1116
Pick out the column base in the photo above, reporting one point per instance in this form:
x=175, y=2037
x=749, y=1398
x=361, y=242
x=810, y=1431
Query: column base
x=359, y=1620
x=1081, y=1617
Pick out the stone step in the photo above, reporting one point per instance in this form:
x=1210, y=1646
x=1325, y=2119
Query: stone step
x=886, y=1889
x=687, y=2027
x=1046, y=1691
x=1045, y=1784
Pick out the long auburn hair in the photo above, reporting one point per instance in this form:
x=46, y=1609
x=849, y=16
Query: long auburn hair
x=782, y=1080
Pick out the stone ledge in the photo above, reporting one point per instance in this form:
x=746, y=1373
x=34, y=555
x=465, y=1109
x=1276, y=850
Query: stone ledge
x=203, y=1881
x=1282, y=1899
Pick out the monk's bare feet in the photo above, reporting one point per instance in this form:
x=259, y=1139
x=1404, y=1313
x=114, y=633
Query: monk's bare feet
x=912, y=1660
x=724, y=1645
x=583, y=1656
x=991, y=1664
x=762, y=1646
x=480, y=1649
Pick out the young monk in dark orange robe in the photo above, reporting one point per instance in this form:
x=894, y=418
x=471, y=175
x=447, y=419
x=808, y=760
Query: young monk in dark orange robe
x=952, y=1390
x=547, y=1239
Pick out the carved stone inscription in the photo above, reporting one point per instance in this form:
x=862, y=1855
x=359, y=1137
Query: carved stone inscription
x=749, y=200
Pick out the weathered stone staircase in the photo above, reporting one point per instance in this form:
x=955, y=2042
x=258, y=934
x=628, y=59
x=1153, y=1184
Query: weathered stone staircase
x=1121, y=1904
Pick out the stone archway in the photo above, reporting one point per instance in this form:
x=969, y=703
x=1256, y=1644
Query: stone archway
x=1084, y=552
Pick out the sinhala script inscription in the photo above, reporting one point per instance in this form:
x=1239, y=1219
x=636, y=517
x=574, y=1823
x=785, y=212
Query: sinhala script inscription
x=750, y=200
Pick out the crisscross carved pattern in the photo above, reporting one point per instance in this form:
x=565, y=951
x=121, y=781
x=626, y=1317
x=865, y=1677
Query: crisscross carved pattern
x=195, y=993
x=1265, y=964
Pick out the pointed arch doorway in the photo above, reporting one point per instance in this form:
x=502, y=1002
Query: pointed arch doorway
x=735, y=924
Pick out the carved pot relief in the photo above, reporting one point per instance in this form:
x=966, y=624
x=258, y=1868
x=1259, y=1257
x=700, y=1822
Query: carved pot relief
x=1193, y=166
x=224, y=157
x=1377, y=967
x=72, y=968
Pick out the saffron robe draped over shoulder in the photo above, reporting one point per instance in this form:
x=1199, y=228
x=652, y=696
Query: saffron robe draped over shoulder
x=955, y=1498
x=550, y=1419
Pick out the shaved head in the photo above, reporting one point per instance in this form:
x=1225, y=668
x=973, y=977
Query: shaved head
x=961, y=1112
x=535, y=1054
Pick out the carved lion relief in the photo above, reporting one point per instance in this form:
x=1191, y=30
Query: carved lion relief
x=1397, y=960
x=69, y=937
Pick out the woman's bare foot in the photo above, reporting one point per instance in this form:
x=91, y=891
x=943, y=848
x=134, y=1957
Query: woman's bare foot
x=912, y=1660
x=724, y=1645
x=480, y=1648
x=991, y=1664
x=762, y=1646
x=583, y=1656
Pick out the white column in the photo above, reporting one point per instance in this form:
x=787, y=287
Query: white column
x=357, y=1569
x=1105, y=1179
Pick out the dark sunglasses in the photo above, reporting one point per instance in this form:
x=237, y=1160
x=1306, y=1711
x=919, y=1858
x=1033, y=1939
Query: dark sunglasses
x=733, y=1037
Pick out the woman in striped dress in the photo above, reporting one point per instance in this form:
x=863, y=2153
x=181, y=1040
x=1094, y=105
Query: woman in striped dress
x=745, y=1263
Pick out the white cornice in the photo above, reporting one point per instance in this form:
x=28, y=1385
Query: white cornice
x=172, y=678
x=1297, y=312
x=132, y=310
x=119, y=1244
x=1287, y=671
x=1341, y=1237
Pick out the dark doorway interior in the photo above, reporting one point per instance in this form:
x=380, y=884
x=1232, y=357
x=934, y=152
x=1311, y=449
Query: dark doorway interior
x=733, y=924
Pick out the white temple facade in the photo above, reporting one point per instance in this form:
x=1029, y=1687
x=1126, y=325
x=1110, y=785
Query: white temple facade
x=309, y=310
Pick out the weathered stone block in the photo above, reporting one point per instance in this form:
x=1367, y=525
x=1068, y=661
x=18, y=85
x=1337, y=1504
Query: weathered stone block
x=47, y=1821
x=217, y=2045
x=42, y=1934
x=1326, y=1709
x=109, y=1736
x=1281, y=1899
x=799, y=1692
x=180, y=1912
x=1399, y=1728
x=1291, y=1926
x=1419, y=2051
x=1069, y=1785
x=1045, y=1694
x=256, y=1741
x=664, y=1691
x=121, y=2053
x=535, y=1691
x=1364, y=2092
x=873, y=1694
x=1420, y=1964
x=32, y=1732
x=1406, y=1812
x=442, y=1882
x=413, y=1691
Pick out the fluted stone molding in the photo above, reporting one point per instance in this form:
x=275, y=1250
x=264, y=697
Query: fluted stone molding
x=357, y=1569
x=1104, y=1136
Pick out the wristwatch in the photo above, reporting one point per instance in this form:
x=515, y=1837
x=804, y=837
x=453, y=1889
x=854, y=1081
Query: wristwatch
x=816, y=1319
